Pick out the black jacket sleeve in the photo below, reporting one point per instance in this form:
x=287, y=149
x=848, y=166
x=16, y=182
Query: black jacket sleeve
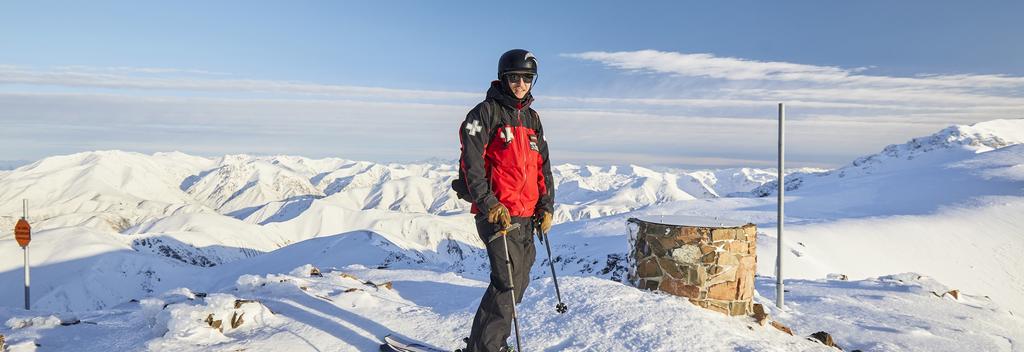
x=474, y=135
x=547, y=200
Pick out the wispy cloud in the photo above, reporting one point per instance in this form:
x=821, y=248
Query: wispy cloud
x=736, y=69
x=836, y=114
x=736, y=84
x=41, y=124
x=121, y=78
x=132, y=69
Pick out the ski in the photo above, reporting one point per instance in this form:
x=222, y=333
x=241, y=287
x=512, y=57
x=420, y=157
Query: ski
x=395, y=343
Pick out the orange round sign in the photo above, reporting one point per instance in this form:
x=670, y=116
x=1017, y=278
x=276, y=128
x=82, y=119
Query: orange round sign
x=22, y=232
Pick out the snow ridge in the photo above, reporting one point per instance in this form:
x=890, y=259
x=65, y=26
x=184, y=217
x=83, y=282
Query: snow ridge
x=952, y=143
x=980, y=137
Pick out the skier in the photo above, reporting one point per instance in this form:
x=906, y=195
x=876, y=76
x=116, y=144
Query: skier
x=507, y=176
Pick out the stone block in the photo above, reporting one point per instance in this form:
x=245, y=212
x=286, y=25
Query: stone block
x=709, y=259
x=655, y=246
x=745, y=276
x=643, y=249
x=707, y=249
x=727, y=259
x=691, y=275
x=701, y=274
x=745, y=288
x=749, y=231
x=689, y=235
x=670, y=268
x=737, y=308
x=658, y=230
x=648, y=267
x=726, y=291
x=723, y=235
x=679, y=288
x=739, y=247
x=721, y=274
x=705, y=233
x=649, y=284
x=687, y=254
x=718, y=306
x=668, y=243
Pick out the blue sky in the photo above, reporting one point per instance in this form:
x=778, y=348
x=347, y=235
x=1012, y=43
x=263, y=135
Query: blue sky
x=688, y=84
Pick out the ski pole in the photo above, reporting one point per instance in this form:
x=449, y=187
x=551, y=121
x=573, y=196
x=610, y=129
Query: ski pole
x=560, y=307
x=511, y=282
x=502, y=232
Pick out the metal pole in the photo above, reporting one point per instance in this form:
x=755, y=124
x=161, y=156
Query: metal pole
x=512, y=286
x=503, y=233
x=27, y=281
x=560, y=307
x=779, y=289
x=24, y=215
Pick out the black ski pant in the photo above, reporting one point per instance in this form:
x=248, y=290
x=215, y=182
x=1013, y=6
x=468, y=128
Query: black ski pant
x=493, y=322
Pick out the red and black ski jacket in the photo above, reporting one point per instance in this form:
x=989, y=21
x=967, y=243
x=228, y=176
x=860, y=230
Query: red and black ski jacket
x=505, y=156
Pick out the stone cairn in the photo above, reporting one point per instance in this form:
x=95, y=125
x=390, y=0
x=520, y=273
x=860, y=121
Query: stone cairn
x=709, y=261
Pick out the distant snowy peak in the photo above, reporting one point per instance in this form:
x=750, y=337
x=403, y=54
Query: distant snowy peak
x=739, y=181
x=354, y=175
x=946, y=147
x=245, y=181
x=296, y=164
x=106, y=188
x=980, y=137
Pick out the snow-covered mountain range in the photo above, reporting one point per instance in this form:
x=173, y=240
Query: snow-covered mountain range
x=119, y=189
x=207, y=212
x=111, y=227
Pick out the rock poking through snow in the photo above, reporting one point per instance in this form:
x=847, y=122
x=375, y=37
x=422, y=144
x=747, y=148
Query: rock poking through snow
x=826, y=339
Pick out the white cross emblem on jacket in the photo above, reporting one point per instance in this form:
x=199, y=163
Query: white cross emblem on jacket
x=506, y=134
x=473, y=128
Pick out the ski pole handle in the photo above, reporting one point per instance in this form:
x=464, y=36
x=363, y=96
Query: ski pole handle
x=503, y=232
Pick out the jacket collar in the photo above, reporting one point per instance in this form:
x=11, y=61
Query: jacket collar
x=504, y=97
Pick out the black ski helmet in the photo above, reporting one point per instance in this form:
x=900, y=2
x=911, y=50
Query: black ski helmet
x=517, y=60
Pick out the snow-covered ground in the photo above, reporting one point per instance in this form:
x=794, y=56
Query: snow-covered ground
x=142, y=249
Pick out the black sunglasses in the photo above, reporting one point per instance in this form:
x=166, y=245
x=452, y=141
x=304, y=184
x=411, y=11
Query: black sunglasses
x=516, y=77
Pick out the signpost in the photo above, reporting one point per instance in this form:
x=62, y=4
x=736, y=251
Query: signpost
x=23, y=234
